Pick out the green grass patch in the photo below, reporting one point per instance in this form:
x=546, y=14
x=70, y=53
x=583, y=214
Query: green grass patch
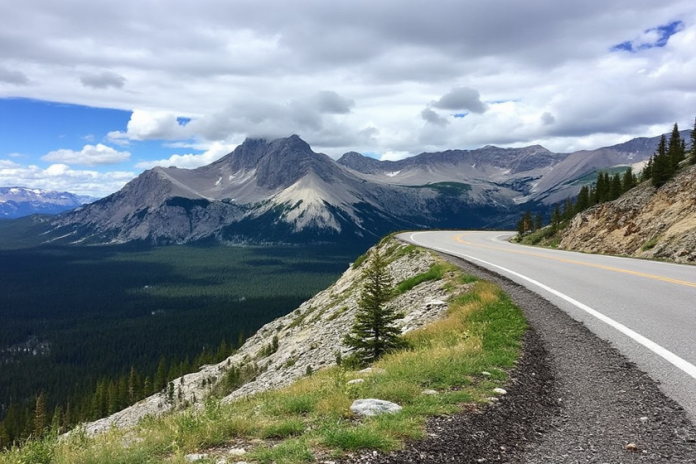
x=436, y=272
x=650, y=244
x=451, y=189
x=481, y=331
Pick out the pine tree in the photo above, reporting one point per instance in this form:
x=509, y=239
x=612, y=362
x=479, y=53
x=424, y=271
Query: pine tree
x=568, y=209
x=57, y=421
x=628, y=181
x=583, y=201
x=5, y=439
x=373, y=333
x=555, y=217
x=662, y=165
x=693, y=144
x=525, y=224
x=161, y=376
x=646, y=173
x=40, y=415
x=538, y=221
x=674, y=150
x=615, y=187
x=132, y=386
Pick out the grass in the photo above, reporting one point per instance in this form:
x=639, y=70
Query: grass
x=482, y=331
x=436, y=272
x=546, y=236
x=650, y=244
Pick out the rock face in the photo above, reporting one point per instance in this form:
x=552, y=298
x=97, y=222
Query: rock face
x=645, y=222
x=282, y=191
x=306, y=340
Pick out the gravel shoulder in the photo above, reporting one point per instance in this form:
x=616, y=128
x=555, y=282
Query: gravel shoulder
x=572, y=398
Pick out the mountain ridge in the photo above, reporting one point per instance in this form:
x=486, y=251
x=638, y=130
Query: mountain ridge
x=17, y=201
x=281, y=191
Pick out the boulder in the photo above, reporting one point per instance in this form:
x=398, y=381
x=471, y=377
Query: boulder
x=373, y=407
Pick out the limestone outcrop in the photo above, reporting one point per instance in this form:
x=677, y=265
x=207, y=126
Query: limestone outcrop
x=645, y=223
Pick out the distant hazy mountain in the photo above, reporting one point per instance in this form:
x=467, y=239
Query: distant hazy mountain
x=282, y=191
x=19, y=201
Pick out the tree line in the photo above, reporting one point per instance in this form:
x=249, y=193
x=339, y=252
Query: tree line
x=659, y=169
x=662, y=166
x=23, y=419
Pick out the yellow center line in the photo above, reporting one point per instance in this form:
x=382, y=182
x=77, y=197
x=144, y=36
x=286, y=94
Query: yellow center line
x=580, y=263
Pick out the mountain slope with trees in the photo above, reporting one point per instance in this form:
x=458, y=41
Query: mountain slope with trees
x=656, y=219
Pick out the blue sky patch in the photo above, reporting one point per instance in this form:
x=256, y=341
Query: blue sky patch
x=655, y=37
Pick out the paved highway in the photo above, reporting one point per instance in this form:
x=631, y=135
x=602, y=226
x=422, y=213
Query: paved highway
x=646, y=309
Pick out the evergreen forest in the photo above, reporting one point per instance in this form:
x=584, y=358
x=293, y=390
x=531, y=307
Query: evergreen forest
x=87, y=331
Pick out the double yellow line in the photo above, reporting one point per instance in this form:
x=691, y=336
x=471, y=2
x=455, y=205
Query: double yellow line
x=580, y=263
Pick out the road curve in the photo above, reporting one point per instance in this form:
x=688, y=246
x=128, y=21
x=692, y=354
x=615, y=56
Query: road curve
x=646, y=309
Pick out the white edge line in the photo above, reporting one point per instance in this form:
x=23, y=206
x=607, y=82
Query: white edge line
x=664, y=353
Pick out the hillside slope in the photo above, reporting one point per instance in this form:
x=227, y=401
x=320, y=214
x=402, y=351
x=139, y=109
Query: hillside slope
x=311, y=336
x=645, y=222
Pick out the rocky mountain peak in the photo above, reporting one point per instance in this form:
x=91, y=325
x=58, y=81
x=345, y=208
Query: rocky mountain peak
x=360, y=163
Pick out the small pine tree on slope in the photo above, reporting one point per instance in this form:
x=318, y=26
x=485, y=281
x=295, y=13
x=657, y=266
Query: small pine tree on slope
x=693, y=144
x=373, y=333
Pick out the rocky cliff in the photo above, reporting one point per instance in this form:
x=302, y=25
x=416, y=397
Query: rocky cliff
x=645, y=222
x=306, y=340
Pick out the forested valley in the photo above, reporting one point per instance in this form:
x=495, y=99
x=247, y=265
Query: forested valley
x=87, y=331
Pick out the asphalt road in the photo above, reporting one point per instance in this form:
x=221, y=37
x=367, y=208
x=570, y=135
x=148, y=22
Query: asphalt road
x=646, y=309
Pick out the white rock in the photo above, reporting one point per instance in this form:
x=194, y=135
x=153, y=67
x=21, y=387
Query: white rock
x=195, y=457
x=429, y=392
x=374, y=407
x=486, y=374
x=355, y=381
x=237, y=452
x=500, y=391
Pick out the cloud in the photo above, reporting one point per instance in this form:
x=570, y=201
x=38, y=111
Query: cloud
x=62, y=178
x=103, y=80
x=328, y=72
x=547, y=118
x=9, y=76
x=462, y=98
x=151, y=125
x=432, y=117
x=651, y=38
x=90, y=155
x=332, y=103
x=190, y=161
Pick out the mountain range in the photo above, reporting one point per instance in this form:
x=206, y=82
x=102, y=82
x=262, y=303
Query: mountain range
x=20, y=201
x=281, y=191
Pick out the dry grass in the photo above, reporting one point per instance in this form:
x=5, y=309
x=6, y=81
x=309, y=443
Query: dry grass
x=481, y=331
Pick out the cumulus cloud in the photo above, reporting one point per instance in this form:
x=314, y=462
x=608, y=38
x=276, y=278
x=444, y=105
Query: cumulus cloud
x=550, y=72
x=62, y=178
x=151, y=125
x=103, y=80
x=9, y=76
x=432, y=117
x=462, y=98
x=90, y=155
x=216, y=151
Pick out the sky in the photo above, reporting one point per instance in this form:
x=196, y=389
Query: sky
x=93, y=92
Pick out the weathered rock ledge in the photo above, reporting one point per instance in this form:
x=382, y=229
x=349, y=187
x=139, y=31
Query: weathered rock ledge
x=645, y=223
